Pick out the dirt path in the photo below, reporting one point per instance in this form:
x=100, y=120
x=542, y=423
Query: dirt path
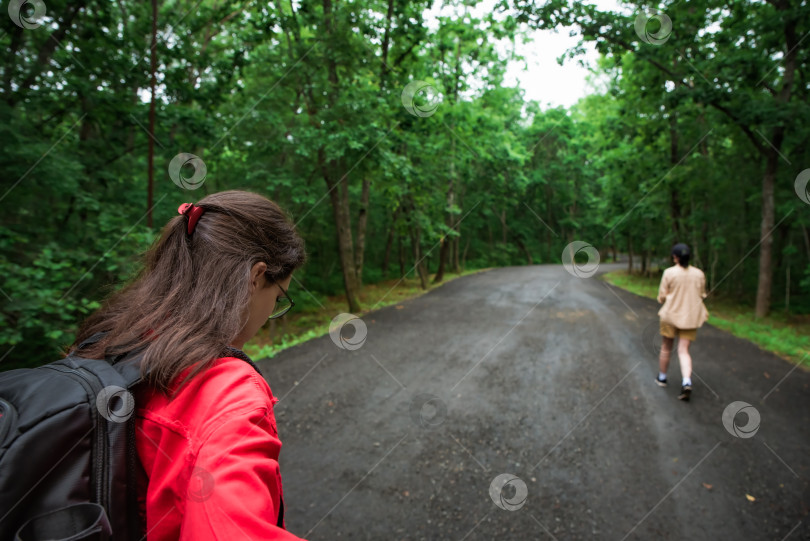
x=532, y=372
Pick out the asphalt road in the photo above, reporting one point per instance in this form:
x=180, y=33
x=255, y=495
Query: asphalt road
x=532, y=372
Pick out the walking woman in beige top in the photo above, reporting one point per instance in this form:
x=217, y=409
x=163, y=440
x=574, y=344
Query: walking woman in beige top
x=682, y=291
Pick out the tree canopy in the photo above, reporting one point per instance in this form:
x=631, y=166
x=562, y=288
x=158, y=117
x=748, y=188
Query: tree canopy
x=394, y=142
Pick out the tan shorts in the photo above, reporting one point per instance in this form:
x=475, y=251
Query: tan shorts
x=668, y=331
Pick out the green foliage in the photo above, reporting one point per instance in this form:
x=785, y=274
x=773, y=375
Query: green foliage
x=268, y=351
x=304, y=101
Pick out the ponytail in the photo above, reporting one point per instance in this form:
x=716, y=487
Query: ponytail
x=190, y=299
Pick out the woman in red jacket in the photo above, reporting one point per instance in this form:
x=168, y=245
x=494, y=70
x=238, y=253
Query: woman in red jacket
x=205, y=431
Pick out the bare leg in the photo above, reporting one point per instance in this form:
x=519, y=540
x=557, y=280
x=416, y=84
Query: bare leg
x=665, y=354
x=685, y=358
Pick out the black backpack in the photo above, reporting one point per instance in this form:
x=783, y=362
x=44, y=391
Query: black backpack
x=68, y=463
x=67, y=455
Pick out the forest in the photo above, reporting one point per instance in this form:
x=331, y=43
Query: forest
x=394, y=142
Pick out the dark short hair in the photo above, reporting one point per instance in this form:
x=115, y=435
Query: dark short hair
x=682, y=251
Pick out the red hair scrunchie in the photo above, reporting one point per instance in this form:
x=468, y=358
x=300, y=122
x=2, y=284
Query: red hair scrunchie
x=193, y=213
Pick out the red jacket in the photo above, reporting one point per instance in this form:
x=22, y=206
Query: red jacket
x=210, y=456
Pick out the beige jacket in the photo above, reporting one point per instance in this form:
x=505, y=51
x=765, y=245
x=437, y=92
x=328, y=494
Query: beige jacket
x=682, y=291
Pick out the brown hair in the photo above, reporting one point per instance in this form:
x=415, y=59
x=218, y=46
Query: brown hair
x=190, y=300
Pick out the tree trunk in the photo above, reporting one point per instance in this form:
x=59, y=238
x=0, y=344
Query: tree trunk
x=417, y=258
x=385, y=43
x=457, y=241
x=389, y=242
x=613, y=246
x=549, y=199
x=464, y=255
x=675, y=210
x=130, y=140
x=401, y=258
x=339, y=197
x=766, y=245
x=362, y=219
x=772, y=162
x=445, y=248
x=443, y=255
x=630, y=254
x=69, y=212
x=524, y=249
x=338, y=187
x=674, y=159
x=704, y=237
x=151, y=139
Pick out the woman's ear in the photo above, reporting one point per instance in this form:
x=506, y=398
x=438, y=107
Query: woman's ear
x=256, y=273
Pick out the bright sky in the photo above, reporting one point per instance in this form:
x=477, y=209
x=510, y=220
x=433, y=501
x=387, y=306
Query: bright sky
x=540, y=76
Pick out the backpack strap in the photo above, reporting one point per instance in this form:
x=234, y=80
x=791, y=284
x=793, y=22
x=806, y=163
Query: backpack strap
x=130, y=369
x=93, y=339
x=137, y=528
x=126, y=369
x=239, y=354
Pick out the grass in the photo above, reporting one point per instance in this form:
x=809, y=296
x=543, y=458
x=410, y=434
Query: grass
x=301, y=326
x=785, y=335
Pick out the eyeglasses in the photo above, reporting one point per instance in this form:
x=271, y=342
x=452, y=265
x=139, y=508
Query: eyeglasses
x=283, y=304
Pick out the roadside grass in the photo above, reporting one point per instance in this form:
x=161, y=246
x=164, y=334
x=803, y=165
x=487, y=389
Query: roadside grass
x=311, y=322
x=785, y=335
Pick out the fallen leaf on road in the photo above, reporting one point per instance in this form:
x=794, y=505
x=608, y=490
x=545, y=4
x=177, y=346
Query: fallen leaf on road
x=708, y=486
x=767, y=375
x=750, y=498
x=400, y=307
